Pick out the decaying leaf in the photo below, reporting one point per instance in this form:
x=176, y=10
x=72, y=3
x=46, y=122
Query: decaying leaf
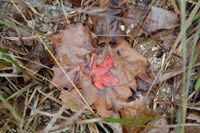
x=104, y=3
x=105, y=76
x=14, y=11
x=134, y=17
x=144, y=81
x=194, y=117
x=107, y=25
x=141, y=20
x=71, y=101
x=192, y=129
x=70, y=53
x=128, y=64
x=155, y=123
x=34, y=66
x=159, y=19
x=135, y=109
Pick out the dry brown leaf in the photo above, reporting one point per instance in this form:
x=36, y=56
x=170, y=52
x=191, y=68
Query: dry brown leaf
x=128, y=64
x=168, y=41
x=71, y=46
x=144, y=81
x=71, y=101
x=104, y=3
x=33, y=66
x=135, y=109
x=139, y=20
x=194, y=117
x=76, y=2
x=192, y=129
x=158, y=19
x=133, y=20
x=107, y=26
x=155, y=123
x=38, y=52
x=74, y=53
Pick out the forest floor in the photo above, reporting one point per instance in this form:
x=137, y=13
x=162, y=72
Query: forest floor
x=105, y=66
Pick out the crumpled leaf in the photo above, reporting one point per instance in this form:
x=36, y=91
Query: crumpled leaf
x=155, y=123
x=135, y=109
x=141, y=20
x=106, y=26
x=70, y=53
x=134, y=17
x=103, y=3
x=128, y=64
x=83, y=63
x=158, y=19
x=194, y=117
x=71, y=102
x=144, y=81
x=192, y=129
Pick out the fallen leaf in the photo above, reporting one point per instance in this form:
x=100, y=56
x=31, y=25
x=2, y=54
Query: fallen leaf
x=194, y=117
x=70, y=53
x=192, y=129
x=76, y=2
x=116, y=3
x=154, y=123
x=144, y=81
x=14, y=11
x=41, y=54
x=168, y=40
x=135, y=109
x=159, y=19
x=71, y=101
x=104, y=3
x=105, y=76
x=128, y=64
x=134, y=17
x=33, y=66
x=140, y=20
x=107, y=26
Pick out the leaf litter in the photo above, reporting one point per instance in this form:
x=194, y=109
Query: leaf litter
x=106, y=76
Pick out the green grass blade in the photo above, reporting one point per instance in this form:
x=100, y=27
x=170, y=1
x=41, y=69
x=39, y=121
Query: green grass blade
x=131, y=120
x=12, y=111
x=3, y=23
x=13, y=61
x=197, y=85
